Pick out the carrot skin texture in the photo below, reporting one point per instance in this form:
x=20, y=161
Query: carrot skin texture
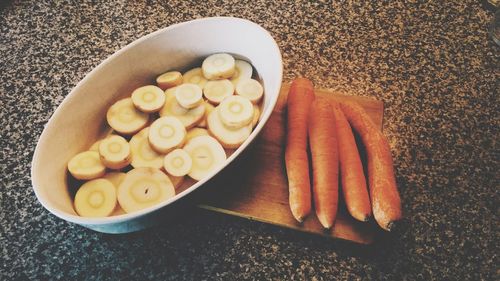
x=351, y=170
x=386, y=203
x=325, y=162
x=300, y=97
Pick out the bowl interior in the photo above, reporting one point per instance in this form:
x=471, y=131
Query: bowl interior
x=80, y=119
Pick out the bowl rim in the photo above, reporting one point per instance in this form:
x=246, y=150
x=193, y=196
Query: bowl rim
x=128, y=217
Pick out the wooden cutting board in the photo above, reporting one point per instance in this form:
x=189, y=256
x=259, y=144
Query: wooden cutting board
x=255, y=186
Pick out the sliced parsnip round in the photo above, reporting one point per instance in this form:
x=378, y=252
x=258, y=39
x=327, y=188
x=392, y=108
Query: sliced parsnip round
x=256, y=115
x=243, y=70
x=86, y=165
x=229, y=138
x=178, y=163
x=143, y=155
x=95, y=198
x=195, y=132
x=215, y=91
x=169, y=79
x=124, y=118
x=115, y=152
x=166, y=133
x=235, y=112
x=208, y=108
x=189, y=95
x=250, y=89
x=143, y=188
x=207, y=155
x=148, y=98
x=218, y=66
x=195, y=76
x=188, y=117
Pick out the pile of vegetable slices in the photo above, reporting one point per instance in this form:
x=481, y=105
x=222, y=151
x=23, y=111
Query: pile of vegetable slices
x=182, y=126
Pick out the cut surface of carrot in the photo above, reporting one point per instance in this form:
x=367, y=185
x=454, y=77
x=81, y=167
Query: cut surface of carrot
x=300, y=97
x=353, y=178
x=325, y=162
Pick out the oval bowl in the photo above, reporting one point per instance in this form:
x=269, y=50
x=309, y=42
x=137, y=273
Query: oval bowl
x=80, y=118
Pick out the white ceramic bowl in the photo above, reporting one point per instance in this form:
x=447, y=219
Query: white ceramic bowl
x=79, y=120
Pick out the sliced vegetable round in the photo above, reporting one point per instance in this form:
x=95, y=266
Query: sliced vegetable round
x=169, y=79
x=236, y=112
x=189, y=95
x=115, y=152
x=218, y=66
x=95, y=198
x=166, y=133
x=250, y=89
x=148, y=98
x=86, y=165
x=207, y=155
x=229, y=138
x=143, y=188
x=124, y=118
x=178, y=163
x=215, y=91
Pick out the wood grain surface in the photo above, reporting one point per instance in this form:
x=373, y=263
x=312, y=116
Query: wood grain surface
x=255, y=185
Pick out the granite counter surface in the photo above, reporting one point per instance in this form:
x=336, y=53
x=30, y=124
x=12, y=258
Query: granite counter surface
x=431, y=62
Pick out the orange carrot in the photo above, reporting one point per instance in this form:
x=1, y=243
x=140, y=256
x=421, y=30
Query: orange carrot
x=351, y=170
x=325, y=161
x=386, y=203
x=300, y=97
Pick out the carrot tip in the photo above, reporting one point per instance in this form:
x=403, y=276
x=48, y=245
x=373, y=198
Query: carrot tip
x=327, y=226
x=325, y=223
x=300, y=219
x=390, y=226
x=361, y=217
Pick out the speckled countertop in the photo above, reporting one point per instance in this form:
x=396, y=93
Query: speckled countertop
x=431, y=63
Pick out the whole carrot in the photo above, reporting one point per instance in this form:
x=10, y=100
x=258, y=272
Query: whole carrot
x=300, y=97
x=351, y=170
x=386, y=203
x=325, y=161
